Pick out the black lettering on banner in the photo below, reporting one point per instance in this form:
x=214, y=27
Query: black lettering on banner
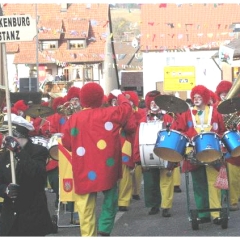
x=14, y=22
x=17, y=35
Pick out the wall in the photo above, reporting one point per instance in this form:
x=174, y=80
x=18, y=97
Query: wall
x=207, y=72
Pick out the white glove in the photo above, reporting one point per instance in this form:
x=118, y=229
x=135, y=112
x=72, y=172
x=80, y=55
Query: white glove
x=116, y=92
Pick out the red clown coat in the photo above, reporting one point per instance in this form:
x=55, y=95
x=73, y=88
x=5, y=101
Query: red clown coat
x=92, y=135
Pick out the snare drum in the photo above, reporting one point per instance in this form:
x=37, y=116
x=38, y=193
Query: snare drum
x=40, y=141
x=231, y=140
x=207, y=147
x=147, y=139
x=171, y=145
x=53, y=145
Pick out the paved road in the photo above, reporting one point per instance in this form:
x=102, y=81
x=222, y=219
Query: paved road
x=137, y=222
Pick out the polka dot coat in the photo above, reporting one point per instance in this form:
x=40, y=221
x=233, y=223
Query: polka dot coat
x=93, y=136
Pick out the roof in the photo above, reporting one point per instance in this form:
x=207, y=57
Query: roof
x=125, y=56
x=49, y=30
x=93, y=19
x=195, y=26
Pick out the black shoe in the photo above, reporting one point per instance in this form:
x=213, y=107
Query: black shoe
x=135, y=197
x=54, y=224
x=122, y=209
x=103, y=234
x=217, y=221
x=166, y=213
x=153, y=211
x=205, y=219
x=177, y=189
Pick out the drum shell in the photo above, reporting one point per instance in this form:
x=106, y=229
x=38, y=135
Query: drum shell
x=53, y=146
x=171, y=145
x=147, y=138
x=231, y=140
x=207, y=147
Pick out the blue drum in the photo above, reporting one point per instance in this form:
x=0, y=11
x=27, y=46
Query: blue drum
x=171, y=145
x=231, y=140
x=207, y=147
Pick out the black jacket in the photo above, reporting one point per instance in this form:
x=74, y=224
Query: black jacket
x=28, y=215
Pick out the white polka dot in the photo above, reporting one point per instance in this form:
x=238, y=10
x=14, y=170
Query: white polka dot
x=108, y=126
x=80, y=151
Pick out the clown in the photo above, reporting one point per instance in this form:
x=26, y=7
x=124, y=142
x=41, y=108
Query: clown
x=92, y=135
x=203, y=118
x=233, y=163
x=73, y=96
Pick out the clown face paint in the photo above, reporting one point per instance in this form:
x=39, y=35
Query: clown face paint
x=114, y=102
x=223, y=95
x=153, y=106
x=197, y=100
x=75, y=102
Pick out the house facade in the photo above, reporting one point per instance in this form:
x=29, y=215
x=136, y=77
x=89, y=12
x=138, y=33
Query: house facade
x=72, y=47
x=178, y=42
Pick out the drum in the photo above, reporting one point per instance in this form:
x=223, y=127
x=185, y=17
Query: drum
x=40, y=141
x=231, y=140
x=171, y=145
x=53, y=145
x=207, y=147
x=147, y=139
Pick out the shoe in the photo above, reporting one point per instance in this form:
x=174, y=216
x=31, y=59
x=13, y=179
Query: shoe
x=233, y=207
x=217, y=221
x=153, y=211
x=177, y=189
x=166, y=213
x=122, y=209
x=135, y=197
x=103, y=234
x=205, y=219
x=54, y=224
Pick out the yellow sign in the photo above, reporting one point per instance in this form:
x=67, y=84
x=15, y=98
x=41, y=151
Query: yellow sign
x=179, y=78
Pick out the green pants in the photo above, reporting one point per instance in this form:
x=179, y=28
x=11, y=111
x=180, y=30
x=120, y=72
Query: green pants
x=152, y=195
x=200, y=190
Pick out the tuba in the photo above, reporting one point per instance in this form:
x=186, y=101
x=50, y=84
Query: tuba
x=231, y=119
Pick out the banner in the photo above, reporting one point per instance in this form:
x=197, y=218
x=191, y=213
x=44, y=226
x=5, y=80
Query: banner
x=66, y=186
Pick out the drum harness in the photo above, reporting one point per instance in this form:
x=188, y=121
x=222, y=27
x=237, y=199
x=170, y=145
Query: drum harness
x=201, y=127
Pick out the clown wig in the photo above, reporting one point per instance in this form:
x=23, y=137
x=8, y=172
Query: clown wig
x=91, y=95
x=223, y=87
x=132, y=96
x=150, y=96
x=203, y=92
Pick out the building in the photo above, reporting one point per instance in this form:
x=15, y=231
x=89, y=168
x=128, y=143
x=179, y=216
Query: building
x=178, y=42
x=72, y=47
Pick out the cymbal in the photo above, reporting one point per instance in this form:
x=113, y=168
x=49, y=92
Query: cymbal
x=171, y=103
x=39, y=111
x=229, y=106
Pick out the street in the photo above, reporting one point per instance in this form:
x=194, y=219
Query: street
x=137, y=222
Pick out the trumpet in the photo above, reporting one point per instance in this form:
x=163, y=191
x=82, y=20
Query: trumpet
x=66, y=109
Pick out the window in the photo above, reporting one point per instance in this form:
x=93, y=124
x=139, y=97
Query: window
x=77, y=44
x=46, y=45
x=88, y=73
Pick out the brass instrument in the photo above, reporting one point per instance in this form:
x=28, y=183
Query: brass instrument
x=231, y=120
x=231, y=103
x=66, y=109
